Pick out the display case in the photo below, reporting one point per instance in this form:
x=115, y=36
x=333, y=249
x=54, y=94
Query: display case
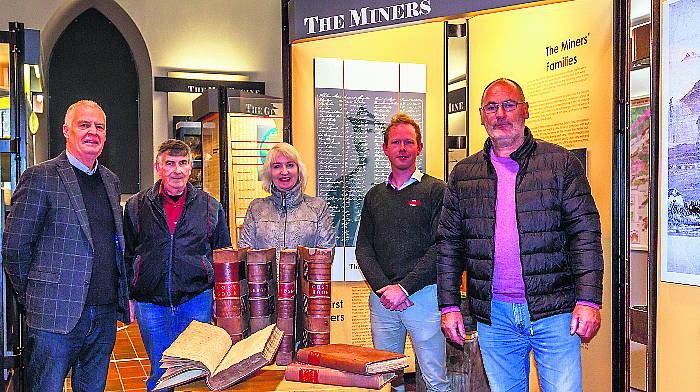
x=191, y=133
x=238, y=129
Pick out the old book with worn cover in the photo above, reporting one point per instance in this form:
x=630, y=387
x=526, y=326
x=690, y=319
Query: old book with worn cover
x=303, y=372
x=286, y=306
x=315, y=292
x=355, y=359
x=231, y=292
x=262, y=287
x=206, y=351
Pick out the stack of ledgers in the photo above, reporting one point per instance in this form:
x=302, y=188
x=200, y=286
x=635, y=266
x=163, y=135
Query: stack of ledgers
x=345, y=365
x=247, y=298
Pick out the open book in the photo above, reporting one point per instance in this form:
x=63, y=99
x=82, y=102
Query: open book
x=205, y=350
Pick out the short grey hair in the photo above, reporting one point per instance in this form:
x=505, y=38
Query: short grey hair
x=504, y=81
x=174, y=147
x=288, y=151
x=83, y=102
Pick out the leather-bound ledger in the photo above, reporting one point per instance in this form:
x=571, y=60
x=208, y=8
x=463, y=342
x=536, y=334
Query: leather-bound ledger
x=286, y=305
x=231, y=292
x=205, y=350
x=315, y=301
x=261, y=287
x=303, y=372
x=354, y=359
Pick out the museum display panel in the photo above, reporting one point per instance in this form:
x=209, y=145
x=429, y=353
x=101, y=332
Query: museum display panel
x=565, y=67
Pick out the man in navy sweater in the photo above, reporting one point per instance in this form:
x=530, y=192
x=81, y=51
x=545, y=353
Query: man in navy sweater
x=396, y=253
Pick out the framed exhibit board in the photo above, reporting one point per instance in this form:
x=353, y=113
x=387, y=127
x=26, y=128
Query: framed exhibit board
x=354, y=101
x=679, y=214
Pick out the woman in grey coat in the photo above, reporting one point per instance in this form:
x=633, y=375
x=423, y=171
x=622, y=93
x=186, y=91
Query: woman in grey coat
x=287, y=218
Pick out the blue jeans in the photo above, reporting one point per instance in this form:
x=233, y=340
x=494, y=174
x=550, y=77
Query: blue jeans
x=160, y=325
x=86, y=349
x=507, y=342
x=422, y=321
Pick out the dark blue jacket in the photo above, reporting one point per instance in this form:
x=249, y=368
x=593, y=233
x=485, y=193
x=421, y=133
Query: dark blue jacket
x=558, y=226
x=169, y=269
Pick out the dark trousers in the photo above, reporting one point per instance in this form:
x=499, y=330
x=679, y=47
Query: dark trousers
x=86, y=349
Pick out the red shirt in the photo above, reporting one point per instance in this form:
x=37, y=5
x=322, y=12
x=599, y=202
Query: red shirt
x=173, y=209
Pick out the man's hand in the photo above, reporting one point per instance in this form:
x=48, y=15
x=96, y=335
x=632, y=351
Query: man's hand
x=585, y=321
x=394, y=298
x=453, y=327
x=132, y=311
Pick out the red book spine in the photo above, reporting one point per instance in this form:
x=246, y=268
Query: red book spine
x=261, y=287
x=316, y=301
x=286, y=308
x=231, y=292
x=321, y=375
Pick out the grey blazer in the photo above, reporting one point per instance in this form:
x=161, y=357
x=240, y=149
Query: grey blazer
x=47, y=248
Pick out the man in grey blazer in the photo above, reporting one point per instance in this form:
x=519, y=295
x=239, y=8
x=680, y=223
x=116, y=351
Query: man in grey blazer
x=62, y=249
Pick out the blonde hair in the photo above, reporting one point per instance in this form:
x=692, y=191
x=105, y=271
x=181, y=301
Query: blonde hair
x=288, y=151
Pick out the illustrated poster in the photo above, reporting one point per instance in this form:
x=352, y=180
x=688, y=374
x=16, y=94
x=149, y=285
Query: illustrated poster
x=680, y=143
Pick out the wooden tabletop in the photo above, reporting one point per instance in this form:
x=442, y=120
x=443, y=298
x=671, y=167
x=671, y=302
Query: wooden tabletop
x=271, y=378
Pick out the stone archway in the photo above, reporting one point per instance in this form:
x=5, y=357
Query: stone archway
x=126, y=26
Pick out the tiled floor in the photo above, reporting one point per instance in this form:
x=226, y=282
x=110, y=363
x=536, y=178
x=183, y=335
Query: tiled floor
x=129, y=366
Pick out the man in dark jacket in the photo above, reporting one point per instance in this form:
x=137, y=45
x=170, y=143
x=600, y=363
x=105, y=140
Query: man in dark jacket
x=171, y=231
x=63, y=253
x=520, y=219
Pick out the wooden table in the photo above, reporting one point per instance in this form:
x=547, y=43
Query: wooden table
x=271, y=378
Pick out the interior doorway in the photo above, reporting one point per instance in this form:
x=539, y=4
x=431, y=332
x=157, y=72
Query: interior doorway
x=92, y=60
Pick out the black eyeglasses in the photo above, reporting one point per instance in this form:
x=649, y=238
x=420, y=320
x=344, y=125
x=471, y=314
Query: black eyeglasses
x=508, y=106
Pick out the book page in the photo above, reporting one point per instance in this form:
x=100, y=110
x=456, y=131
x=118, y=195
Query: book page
x=171, y=380
x=200, y=342
x=246, y=348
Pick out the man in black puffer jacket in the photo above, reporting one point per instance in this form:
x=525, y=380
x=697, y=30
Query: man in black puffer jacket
x=171, y=231
x=520, y=219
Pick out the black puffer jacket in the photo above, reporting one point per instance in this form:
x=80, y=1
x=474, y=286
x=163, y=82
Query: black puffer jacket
x=169, y=269
x=558, y=222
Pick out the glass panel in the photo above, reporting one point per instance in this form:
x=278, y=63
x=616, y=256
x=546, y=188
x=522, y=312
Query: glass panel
x=639, y=134
x=210, y=155
x=251, y=136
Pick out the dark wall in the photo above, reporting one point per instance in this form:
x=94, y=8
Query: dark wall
x=92, y=60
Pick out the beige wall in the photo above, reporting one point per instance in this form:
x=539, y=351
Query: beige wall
x=226, y=36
